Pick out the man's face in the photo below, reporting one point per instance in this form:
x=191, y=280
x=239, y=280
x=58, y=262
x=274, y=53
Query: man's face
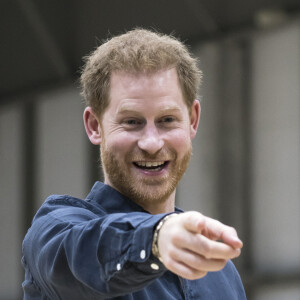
x=146, y=136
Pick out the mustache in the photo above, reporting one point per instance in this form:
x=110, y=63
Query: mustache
x=162, y=155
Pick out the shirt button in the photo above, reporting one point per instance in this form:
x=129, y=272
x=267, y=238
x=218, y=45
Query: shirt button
x=154, y=266
x=143, y=254
x=118, y=267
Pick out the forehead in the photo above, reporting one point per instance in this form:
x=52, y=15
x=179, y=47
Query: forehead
x=134, y=79
x=129, y=88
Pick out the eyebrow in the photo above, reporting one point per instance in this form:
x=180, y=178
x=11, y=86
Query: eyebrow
x=126, y=109
x=168, y=109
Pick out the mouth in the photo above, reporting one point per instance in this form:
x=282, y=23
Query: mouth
x=152, y=166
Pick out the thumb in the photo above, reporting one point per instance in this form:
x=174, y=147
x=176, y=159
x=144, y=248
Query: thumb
x=194, y=221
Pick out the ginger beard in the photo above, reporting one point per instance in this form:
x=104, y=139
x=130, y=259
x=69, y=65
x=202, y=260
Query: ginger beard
x=141, y=189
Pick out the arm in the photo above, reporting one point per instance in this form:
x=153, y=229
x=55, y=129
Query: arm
x=189, y=245
x=72, y=252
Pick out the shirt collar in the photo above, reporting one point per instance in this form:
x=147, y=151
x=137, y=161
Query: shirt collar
x=112, y=200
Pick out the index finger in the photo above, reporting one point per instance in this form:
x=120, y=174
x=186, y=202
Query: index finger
x=212, y=229
x=227, y=234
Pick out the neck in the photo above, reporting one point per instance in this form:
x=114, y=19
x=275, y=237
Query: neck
x=165, y=207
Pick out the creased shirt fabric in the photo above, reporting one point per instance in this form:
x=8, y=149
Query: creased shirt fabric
x=100, y=248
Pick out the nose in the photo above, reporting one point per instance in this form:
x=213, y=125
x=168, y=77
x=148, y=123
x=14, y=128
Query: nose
x=151, y=140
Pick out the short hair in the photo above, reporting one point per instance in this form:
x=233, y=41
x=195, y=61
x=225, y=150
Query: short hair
x=137, y=51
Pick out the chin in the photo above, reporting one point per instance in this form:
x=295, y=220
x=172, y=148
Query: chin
x=150, y=194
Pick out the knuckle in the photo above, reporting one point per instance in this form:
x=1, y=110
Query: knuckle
x=193, y=216
x=197, y=275
x=176, y=239
x=191, y=275
x=232, y=229
x=221, y=265
x=201, y=222
x=198, y=263
x=206, y=249
x=172, y=253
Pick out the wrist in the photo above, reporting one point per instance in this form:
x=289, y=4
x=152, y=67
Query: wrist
x=155, y=249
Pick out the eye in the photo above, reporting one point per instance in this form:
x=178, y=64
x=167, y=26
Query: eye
x=132, y=123
x=167, y=119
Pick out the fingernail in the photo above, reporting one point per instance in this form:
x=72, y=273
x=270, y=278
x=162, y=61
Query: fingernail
x=235, y=238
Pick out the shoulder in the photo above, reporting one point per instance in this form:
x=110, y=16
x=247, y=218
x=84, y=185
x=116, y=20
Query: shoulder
x=67, y=209
x=58, y=214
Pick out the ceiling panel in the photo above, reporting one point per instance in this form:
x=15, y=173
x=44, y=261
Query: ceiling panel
x=43, y=42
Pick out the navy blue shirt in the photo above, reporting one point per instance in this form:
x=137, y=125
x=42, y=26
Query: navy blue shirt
x=100, y=248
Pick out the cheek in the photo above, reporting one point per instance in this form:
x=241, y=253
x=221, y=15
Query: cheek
x=180, y=141
x=120, y=143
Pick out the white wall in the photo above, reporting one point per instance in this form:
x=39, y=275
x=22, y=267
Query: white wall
x=276, y=149
x=11, y=202
x=197, y=190
x=62, y=160
x=213, y=183
x=276, y=156
x=61, y=164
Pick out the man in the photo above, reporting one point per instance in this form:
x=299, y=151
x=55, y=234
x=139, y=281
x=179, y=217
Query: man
x=126, y=240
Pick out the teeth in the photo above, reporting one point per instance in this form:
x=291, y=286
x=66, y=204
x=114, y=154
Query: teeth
x=149, y=164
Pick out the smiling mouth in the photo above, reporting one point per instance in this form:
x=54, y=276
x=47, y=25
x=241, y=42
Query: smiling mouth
x=151, y=165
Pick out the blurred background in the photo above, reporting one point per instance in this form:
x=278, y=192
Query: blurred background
x=245, y=169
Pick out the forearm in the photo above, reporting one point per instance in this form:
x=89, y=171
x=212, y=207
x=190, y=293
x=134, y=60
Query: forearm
x=108, y=256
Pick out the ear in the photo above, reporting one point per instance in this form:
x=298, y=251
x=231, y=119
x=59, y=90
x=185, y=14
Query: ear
x=195, y=118
x=92, y=126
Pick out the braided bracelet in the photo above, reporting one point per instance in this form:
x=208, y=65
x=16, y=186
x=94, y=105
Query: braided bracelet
x=155, y=250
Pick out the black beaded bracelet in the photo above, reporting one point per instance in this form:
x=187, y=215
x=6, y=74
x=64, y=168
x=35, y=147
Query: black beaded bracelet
x=155, y=250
